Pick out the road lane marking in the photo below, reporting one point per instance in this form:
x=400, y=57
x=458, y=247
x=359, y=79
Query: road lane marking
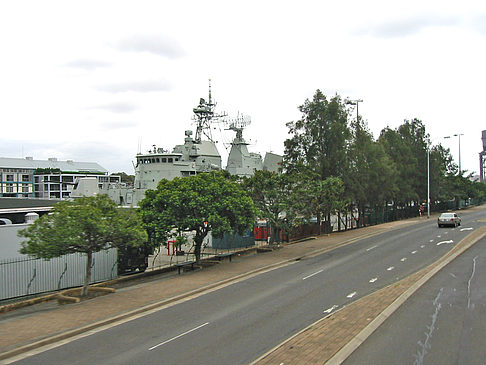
x=422, y=246
x=441, y=242
x=438, y=236
x=311, y=275
x=467, y=229
x=431, y=240
x=351, y=294
x=390, y=268
x=178, y=336
x=329, y=310
x=403, y=259
x=414, y=252
x=369, y=249
x=373, y=280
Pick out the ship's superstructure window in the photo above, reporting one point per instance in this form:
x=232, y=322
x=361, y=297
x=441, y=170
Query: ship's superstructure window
x=170, y=159
x=164, y=160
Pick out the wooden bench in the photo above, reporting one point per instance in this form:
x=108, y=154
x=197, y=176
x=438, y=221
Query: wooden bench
x=221, y=256
x=181, y=265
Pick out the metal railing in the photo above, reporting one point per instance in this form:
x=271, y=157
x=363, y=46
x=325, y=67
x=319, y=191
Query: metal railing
x=24, y=276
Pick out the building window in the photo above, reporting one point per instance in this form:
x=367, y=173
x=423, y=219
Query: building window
x=55, y=187
x=10, y=177
x=25, y=178
x=10, y=188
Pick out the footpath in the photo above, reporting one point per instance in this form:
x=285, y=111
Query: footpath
x=328, y=340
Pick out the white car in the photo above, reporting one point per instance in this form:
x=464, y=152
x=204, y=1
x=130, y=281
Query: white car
x=449, y=219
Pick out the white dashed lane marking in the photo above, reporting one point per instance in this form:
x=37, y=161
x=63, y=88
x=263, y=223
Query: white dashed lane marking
x=442, y=242
x=329, y=310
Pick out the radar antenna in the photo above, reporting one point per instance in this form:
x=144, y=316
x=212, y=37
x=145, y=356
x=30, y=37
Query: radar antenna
x=238, y=124
x=204, y=115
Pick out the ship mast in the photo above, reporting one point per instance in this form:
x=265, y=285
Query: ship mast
x=204, y=115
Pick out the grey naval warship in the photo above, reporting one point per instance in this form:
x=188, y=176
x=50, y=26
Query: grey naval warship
x=199, y=153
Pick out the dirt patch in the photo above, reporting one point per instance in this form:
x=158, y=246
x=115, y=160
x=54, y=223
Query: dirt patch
x=74, y=295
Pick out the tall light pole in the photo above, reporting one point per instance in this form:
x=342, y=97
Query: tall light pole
x=459, y=137
x=355, y=102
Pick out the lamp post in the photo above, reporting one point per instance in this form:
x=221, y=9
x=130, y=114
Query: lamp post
x=459, y=137
x=355, y=102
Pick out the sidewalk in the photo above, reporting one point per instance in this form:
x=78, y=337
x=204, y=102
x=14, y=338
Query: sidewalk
x=19, y=334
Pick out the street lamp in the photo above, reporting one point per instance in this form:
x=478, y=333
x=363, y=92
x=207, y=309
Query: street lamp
x=355, y=102
x=459, y=137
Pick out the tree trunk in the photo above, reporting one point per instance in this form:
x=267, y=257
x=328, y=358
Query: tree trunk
x=87, y=278
x=274, y=234
x=198, y=240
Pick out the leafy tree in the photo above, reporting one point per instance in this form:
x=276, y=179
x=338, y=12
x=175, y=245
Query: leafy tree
x=85, y=225
x=319, y=198
x=319, y=139
x=272, y=195
x=407, y=148
x=441, y=166
x=125, y=178
x=371, y=177
x=202, y=203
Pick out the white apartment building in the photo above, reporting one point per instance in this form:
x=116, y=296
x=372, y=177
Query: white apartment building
x=46, y=179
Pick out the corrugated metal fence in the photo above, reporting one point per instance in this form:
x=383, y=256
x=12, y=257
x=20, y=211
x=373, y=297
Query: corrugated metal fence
x=25, y=276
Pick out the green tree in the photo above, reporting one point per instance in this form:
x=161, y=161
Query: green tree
x=272, y=195
x=319, y=198
x=371, y=177
x=319, y=139
x=407, y=148
x=85, y=225
x=441, y=166
x=125, y=178
x=202, y=203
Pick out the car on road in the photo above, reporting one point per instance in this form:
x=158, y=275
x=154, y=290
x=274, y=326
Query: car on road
x=448, y=219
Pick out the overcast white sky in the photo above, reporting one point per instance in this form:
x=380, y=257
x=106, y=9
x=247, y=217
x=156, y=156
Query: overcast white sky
x=95, y=80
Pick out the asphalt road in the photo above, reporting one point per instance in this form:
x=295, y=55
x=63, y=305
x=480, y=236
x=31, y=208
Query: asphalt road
x=238, y=323
x=444, y=322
